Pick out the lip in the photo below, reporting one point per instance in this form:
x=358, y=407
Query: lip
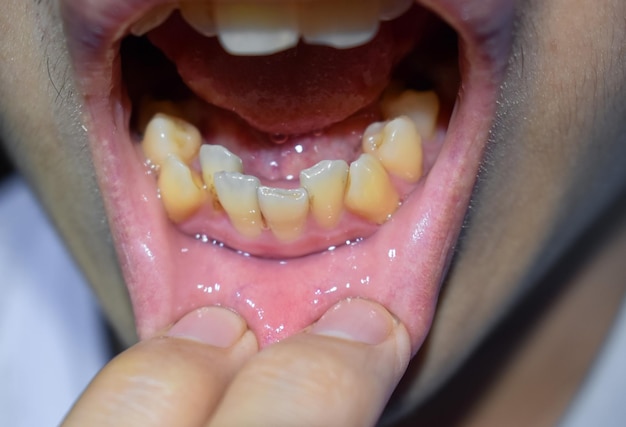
x=412, y=251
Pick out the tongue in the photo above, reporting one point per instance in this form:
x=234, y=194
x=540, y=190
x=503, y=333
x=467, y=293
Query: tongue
x=300, y=90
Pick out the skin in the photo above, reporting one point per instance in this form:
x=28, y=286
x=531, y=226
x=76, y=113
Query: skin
x=544, y=228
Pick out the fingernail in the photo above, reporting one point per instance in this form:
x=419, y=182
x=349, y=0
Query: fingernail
x=215, y=326
x=357, y=320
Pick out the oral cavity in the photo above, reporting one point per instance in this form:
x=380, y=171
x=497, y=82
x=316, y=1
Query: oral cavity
x=284, y=149
x=195, y=177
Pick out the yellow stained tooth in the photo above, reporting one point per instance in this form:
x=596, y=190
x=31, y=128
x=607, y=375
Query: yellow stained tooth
x=421, y=107
x=200, y=15
x=285, y=211
x=167, y=135
x=326, y=185
x=148, y=108
x=216, y=158
x=180, y=189
x=398, y=146
x=237, y=194
x=370, y=193
x=373, y=138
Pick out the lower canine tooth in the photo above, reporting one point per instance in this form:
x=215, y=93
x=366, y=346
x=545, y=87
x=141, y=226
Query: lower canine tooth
x=167, y=135
x=370, y=193
x=285, y=211
x=238, y=195
x=398, y=146
x=421, y=107
x=216, y=158
x=248, y=28
x=326, y=185
x=181, y=192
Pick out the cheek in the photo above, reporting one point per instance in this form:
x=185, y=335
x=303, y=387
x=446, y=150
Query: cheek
x=41, y=127
x=555, y=161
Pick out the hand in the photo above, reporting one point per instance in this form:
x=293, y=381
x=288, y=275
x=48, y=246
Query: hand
x=206, y=370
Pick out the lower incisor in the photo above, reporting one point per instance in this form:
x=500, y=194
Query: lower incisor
x=326, y=185
x=238, y=196
x=285, y=211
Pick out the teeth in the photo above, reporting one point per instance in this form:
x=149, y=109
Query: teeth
x=238, y=195
x=149, y=108
x=326, y=185
x=285, y=211
x=370, y=193
x=248, y=28
x=200, y=16
x=153, y=19
x=181, y=191
x=167, y=135
x=364, y=188
x=397, y=145
x=391, y=9
x=215, y=158
x=340, y=23
x=421, y=107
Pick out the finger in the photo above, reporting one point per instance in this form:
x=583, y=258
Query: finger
x=169, y=381
x=340, y=372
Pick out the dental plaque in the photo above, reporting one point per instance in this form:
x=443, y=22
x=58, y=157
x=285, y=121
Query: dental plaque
x=315, y=157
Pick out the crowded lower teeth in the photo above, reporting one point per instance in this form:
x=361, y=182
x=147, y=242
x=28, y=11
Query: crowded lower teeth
x=215, y=158
x=364, y=188
x=238, y=195
x=247, y=27
x=285, y=211
x=180, y=189
x=326, y=184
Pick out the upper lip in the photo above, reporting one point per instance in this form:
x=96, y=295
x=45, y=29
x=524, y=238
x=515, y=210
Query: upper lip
x=484, y=29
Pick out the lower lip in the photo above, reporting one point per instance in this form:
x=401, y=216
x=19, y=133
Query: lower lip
x=401, y=266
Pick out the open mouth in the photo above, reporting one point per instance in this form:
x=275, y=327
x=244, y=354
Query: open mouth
x=278, y=156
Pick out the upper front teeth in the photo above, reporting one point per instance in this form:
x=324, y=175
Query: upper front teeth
x=261, y=28
x=248, y=28
x=338, y=23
